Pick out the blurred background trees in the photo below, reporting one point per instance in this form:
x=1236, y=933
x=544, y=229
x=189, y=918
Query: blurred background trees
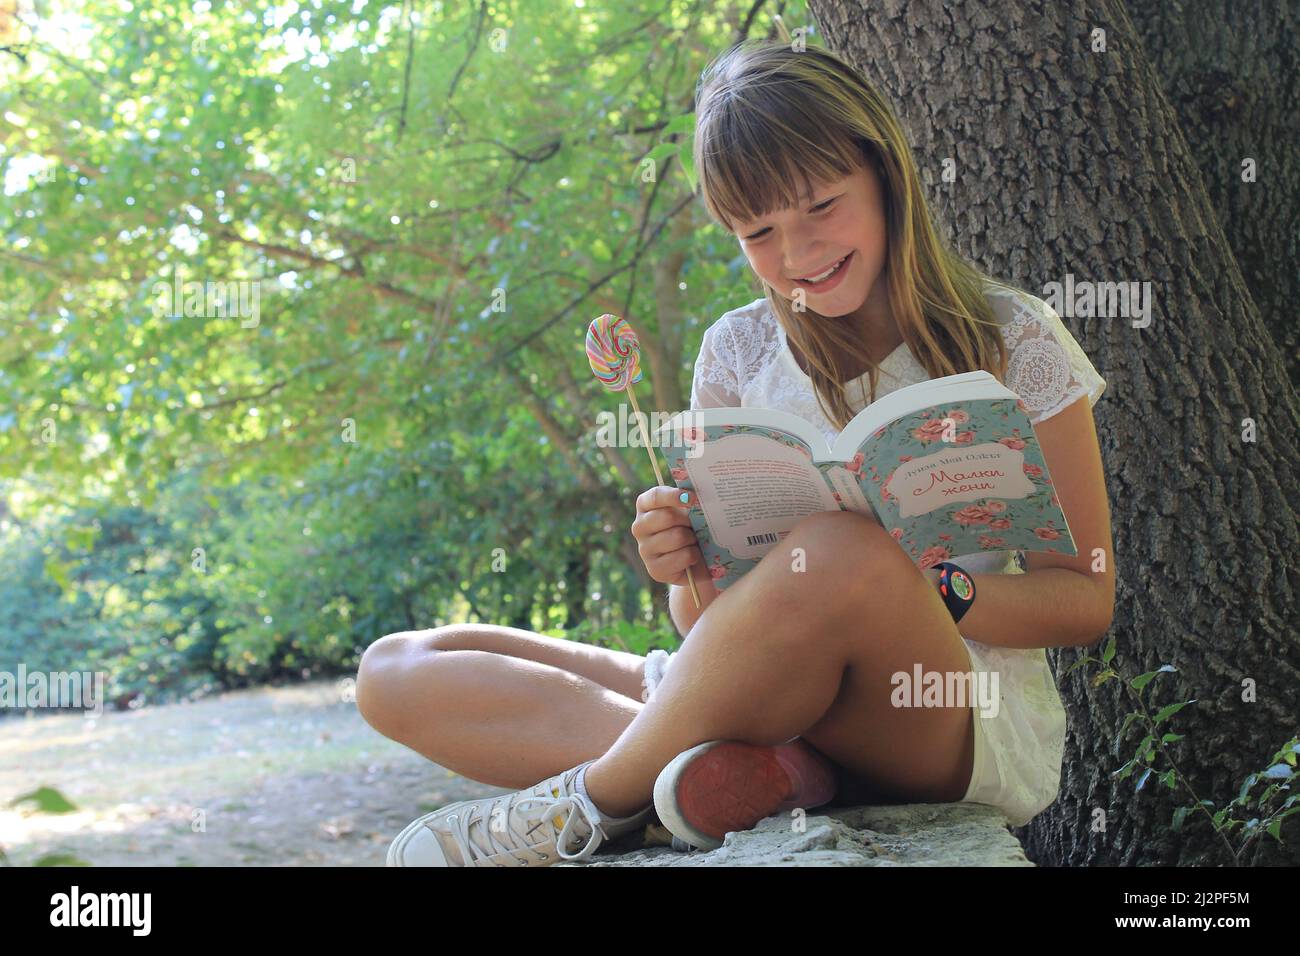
x=424, y=205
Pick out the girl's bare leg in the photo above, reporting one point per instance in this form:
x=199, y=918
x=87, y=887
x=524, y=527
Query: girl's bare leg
x=785, y=653
x=500, y=705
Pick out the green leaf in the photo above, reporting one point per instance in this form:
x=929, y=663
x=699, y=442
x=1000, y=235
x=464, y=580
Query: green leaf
x=1166, y=712
x=1275, y=830
x=659, y=153
x=1128, y=721
x=1104, y=676
x=1137, y=683
x=1170, y=738
x=47, y=800
x=681, y=123
x=1109, y=651
x=1080, y=663
x=1246, y=785
x=1180, y=815
x=687, y=159
x=60, y=859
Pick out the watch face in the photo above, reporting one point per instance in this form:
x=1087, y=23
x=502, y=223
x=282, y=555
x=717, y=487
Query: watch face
x=961, y=585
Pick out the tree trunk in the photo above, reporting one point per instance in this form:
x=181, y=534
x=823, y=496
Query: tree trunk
x=1236, y=93
x=576, y=575
x=1070, y=161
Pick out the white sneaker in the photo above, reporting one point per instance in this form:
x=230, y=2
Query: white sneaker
x=535, y=827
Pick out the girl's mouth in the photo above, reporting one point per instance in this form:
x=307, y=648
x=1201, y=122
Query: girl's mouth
x=827, y=281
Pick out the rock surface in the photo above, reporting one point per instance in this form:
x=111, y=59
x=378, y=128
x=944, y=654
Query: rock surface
x=938, y=834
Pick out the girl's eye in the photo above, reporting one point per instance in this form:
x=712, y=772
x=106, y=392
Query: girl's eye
x=820, y=207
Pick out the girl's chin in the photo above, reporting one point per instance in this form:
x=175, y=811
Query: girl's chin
x=834, y=306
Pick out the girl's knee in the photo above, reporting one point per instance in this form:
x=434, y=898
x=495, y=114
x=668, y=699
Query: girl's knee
x=382, y=665
x=842, y=548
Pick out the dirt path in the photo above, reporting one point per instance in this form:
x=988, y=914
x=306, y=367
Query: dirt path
x=275, y=776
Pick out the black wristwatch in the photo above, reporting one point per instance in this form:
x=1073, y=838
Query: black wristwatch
x=956, y=588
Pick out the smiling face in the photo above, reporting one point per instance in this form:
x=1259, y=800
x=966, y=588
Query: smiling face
x=841, y=225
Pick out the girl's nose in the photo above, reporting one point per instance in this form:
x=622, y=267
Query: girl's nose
x=802, y=251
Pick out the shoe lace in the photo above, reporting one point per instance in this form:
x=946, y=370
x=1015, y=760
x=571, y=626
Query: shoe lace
x=579, y=809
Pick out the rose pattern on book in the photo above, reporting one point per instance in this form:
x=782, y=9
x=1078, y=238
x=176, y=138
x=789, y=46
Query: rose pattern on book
x=980, y=518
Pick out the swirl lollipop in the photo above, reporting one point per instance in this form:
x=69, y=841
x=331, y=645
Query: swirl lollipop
x=614, y=352
x=615, y=358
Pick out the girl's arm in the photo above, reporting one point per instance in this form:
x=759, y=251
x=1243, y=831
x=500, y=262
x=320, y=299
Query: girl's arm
x=681, y=606
x=1060, y=601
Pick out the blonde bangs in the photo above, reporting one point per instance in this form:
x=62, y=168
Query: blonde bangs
x=751, y=162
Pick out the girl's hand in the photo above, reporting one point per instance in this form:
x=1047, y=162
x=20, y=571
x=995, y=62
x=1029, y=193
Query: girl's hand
x=665, y=539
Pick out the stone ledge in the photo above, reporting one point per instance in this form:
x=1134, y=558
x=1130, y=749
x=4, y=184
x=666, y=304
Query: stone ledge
x=926, y=834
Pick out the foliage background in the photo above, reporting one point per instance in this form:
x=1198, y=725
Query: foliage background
x=434, y=200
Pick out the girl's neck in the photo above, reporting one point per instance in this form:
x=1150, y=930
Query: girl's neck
x=875, y=323
x=875, y=329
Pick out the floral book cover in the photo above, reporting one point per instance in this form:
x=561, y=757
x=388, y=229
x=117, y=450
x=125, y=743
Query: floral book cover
x=949, y=467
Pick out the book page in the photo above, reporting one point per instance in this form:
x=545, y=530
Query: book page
x=673, y=433
x=755, y=489
x=872, y=420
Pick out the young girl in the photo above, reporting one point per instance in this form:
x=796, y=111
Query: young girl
x=781, y=695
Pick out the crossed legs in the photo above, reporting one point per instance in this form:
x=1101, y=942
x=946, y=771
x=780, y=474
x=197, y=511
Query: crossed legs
x=809, y=653
x=782, y=653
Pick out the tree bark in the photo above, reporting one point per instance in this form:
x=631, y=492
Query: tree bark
x=1070, y=161
x=576, y=575
x=1231, y=72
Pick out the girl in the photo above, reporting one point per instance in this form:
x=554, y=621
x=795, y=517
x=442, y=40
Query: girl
x=781, y=695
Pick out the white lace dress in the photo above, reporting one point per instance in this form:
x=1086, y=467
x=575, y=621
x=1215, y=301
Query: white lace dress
x=745, y=361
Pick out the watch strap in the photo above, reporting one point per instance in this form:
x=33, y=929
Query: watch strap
x=956, y=588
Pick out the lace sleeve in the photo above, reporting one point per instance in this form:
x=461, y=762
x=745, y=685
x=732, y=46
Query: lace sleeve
x=1046, y=367
x=715, y=383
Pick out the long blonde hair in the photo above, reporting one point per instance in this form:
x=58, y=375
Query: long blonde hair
x=766, y=113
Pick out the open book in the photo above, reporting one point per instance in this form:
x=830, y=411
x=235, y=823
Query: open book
x=948, y=466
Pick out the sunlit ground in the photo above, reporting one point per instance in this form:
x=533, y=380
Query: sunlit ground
x=273, y=776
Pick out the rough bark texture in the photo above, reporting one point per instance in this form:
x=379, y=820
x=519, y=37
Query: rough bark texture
x=1070, y=161
x=1231, y=71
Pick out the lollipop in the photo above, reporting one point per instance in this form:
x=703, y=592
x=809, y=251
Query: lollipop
x=615, y=358
x=613, y=352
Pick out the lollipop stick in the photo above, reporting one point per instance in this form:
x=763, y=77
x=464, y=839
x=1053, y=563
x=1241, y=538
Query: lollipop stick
x=654, y=462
